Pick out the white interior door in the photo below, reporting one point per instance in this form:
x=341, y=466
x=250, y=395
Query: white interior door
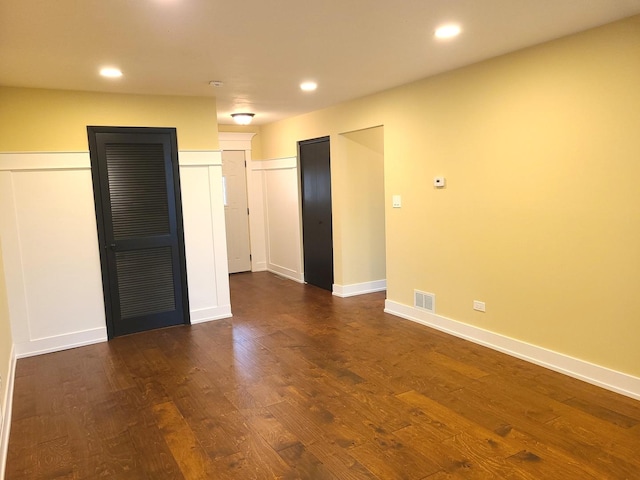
x=236, y=210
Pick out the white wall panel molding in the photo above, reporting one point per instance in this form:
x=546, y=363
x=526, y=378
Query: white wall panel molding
x=259, y=266
x=44, y=161
x=286, y=272
x=276, y=164
x=208, y=314
x=282, y=216
x=595, y=374
x=40, y=346
x=12, y=259
x=192, y=158
x=359, y=288
x=51, y=252
x=5, y=412
x=205, y=241
x=21, y=161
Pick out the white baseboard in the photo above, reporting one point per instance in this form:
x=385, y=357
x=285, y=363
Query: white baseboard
x=61, y=342
x=286, y=273
x=259, y=267
x=98, y=335
x=208, y=314
x=5, y=422
x=613, y=380
x=359, y=288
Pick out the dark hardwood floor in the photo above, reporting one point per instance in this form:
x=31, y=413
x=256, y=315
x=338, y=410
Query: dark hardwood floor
x=301, y=384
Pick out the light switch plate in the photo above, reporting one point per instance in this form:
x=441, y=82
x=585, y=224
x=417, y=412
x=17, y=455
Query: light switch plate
x=397, y=201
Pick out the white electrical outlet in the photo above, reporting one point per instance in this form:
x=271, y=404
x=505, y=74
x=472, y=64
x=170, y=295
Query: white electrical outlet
x=479, y=306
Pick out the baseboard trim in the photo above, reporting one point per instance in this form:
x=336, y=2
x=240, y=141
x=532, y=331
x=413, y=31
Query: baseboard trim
x=359, y=288
x=613, y=380
x=5, y=426
x=259, y=267
x=286, y=273
x=209, y=314
x=61, y=342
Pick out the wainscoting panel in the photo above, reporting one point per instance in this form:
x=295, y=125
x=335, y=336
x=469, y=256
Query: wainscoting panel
x=50, y=247
x=282, y=216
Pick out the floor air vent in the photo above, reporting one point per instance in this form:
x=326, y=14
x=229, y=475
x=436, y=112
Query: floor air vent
x=424, y=301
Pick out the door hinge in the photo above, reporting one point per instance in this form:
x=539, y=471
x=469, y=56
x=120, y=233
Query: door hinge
x=247, y=211
x=249, y=257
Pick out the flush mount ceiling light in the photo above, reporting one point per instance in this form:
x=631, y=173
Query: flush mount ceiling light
x=216, y=83
x=242, y=118
x=110, y=72
x=308, y=86
x=447, y=31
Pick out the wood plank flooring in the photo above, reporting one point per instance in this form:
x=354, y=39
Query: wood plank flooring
x=303, y=385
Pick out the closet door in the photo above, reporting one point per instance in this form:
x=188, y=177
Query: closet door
x=138, y=208
x=317, y=227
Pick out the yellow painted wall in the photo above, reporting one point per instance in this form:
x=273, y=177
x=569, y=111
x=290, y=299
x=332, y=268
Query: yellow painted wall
x=56, y=120
x=540, y=216
x=6, y=340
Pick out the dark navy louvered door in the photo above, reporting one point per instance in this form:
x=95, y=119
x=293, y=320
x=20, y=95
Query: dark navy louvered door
x=137, y=193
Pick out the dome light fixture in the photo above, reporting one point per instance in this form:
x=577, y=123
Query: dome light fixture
x=242, y=118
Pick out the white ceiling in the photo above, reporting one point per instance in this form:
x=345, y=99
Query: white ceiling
x=262, y=50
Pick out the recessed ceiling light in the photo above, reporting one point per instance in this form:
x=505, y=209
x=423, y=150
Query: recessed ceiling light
x=110, y=72
x=308, y=86
x=447, y=31
x=216, y=83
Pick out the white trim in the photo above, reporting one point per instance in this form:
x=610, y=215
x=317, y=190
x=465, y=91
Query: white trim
x=259, y=267
x=44, y=161
x=208, y=314
x=286, y=272
x=199, y=158
x=16, y=162
x=275, y=164
x=235, y=140
x=359, y=288
x=5, y=426
x=57, y=343
x=613, y=380
x=220, y=266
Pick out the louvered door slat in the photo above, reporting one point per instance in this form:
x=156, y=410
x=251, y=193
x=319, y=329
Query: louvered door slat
x=145, y=281
x=137, y=189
